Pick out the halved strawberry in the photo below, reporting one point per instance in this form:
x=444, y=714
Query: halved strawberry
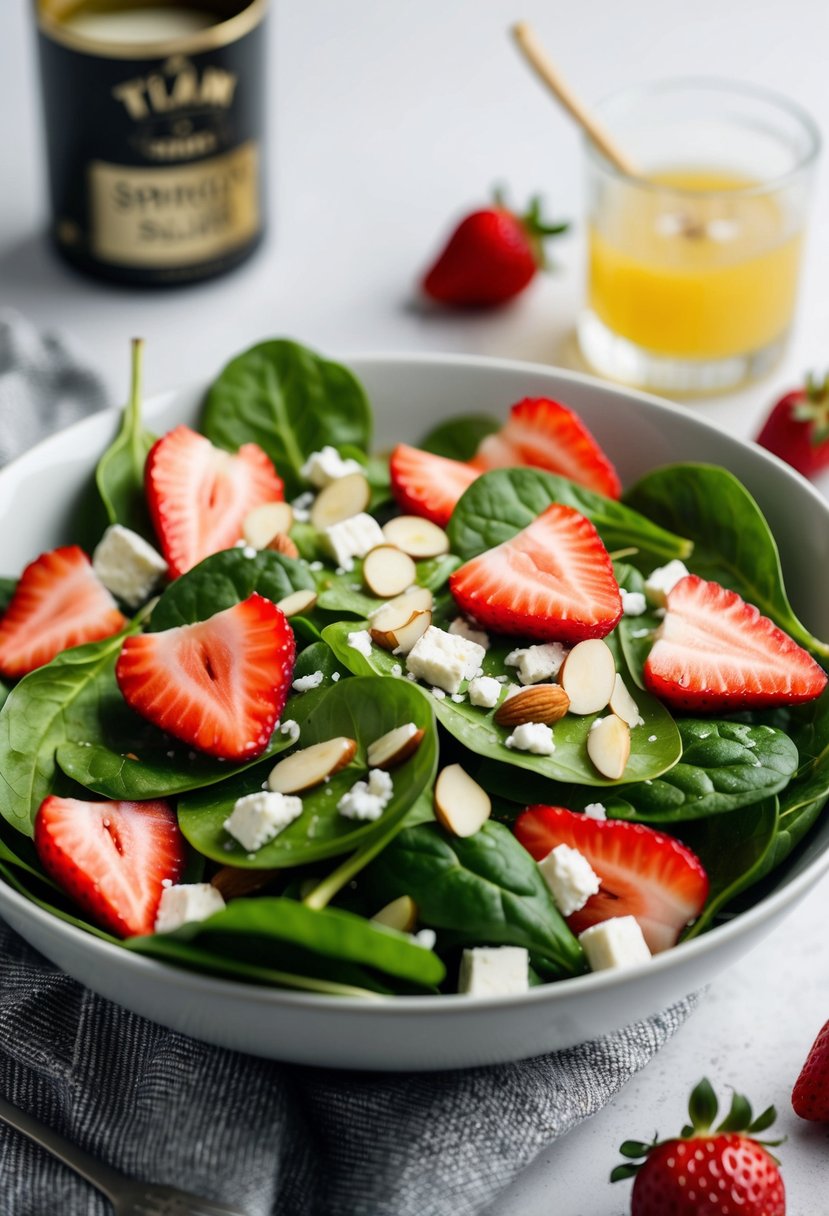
x=643, y=873
x=553, y=581
x=57, y=603
x=713, y=651
x=199, y=495
x=219, y=685
x=547, y=435
x=111, y=858
x=428, y=485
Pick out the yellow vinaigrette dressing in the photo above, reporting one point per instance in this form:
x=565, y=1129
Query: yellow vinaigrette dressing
x=699, y=277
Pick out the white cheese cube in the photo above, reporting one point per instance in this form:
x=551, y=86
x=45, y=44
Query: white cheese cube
x=185, y=902
x=570, y=877
x=327, y=465
x=618, y=942
x=257, y=818
x=127, y=565
x=485, y=691
x=494, y=971
x=464, y=630
x=444, y=659
x=633, y=602
x=535, y=737
x=662, y=580
x=367, y=799
x=537, y=663
x=353, y=537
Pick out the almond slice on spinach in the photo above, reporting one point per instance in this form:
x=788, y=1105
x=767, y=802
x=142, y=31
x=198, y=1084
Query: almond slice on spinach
x=119, y=475
x=733, y=544
x=225, y=579
x=481, y=890
x=290, y=401
x=501, y=503
x=278, y=932
x=476, y=729
x=360, y=709
x=344, y=592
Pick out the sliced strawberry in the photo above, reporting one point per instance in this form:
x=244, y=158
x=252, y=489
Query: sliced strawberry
x=219, y=685
x=111, y=858
x=713, y=651
x=199, y=495
x=547, y=435
x=57, y=603
x=428, y=485
x=551, y=582
x=643, y=872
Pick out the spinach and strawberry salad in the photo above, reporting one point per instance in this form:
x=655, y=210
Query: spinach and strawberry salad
x=462, y=717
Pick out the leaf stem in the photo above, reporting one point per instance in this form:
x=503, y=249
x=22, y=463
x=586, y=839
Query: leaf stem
x=133, y=412
x=325, y=891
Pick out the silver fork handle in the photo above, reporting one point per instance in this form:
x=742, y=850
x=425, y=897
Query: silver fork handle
x=101, y=1176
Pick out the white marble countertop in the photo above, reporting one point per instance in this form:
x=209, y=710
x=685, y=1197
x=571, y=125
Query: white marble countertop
x=387, y=121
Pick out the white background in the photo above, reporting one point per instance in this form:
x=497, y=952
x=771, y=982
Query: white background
x=387, y=120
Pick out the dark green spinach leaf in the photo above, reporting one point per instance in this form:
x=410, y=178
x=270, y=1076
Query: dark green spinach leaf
x=460, y=437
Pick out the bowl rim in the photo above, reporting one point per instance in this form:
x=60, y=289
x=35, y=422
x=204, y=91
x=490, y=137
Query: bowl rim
x=442, y=1005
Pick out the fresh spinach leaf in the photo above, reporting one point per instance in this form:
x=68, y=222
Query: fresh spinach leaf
x=362, y=710
x=225, y=579
x=120, y=472
x=476, y=729
x=319, y=657
x=504, y=501
x=8, y=587
x=483, y=889
x=635, y=633
x=460, y=438
x=291, y=402
x=733, y=544
x=270, y=923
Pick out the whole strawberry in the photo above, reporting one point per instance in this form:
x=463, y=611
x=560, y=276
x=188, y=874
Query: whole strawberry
x=797, y=429
x=810, y=1096
x=492, y=255
x=707, y=1171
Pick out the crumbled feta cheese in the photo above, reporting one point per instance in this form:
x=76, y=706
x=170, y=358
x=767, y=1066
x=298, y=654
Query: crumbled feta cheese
x=305, y=683
x=360, y=640
x=633, y=602
x=353, y=537
x=396, y=670
x=315, y=567
x=127, y=565
x=651, y=738
x=327, y=465
x=618, y=942
x=444, y=659
x=335, y=675
x=290, y=727
x=249, y=552
x=535, y=737
x=426, y=938
x=570, y=877
x=258, y=818
x=494, y=971
x=484, y=691
x=595, y=810
x=663, y=579
x=537, y=663
x=463, y=629
x=458, y=697
x=438, y=694
x=367, y=799
x=185, y=902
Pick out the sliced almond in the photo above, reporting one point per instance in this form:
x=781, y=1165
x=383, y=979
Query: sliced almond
x=233, y=883
x=284, y=545
x=546, y=703
x=588, y=676
x=608, y=746
x=461, y=806
x=311, y=765
x=623, y=704
x=388, y=571
x=400, y=914
x=265, y=522
x=394, y=747
x=418, y=537
x=303, y=600
x=402, y=638
x=340, y=500
x=400, y=609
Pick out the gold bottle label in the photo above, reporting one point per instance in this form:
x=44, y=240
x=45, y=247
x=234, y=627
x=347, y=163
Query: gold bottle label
x=177, y=215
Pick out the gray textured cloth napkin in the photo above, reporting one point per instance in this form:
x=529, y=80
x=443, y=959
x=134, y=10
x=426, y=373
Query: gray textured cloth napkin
x=274, y=1139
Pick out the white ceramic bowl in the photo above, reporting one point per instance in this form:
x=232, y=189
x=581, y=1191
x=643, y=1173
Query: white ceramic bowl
x=409, y=394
